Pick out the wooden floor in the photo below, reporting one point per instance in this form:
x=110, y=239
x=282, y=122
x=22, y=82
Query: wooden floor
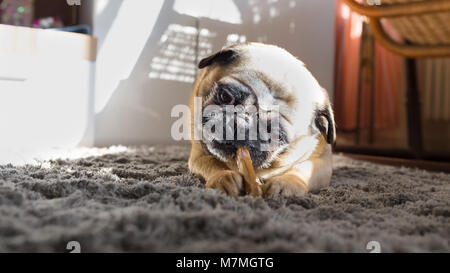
x=421, y=164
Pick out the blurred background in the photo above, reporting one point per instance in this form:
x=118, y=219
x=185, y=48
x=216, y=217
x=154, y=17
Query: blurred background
x=108, y=72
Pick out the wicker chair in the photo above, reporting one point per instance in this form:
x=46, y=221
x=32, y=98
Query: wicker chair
x=425, y=24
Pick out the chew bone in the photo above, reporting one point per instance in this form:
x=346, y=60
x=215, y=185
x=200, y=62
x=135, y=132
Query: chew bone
x=245, y=165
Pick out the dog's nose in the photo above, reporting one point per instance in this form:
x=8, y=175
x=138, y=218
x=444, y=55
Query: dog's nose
x=226, y=97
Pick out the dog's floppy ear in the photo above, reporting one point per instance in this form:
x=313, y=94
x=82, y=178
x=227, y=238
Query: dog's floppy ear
x=222, y=57
x=324, y=121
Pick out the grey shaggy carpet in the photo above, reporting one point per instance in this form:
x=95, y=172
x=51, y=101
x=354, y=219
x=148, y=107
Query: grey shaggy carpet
x=144, y=200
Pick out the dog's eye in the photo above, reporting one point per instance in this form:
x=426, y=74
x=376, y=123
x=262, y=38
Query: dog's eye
x=225, y=97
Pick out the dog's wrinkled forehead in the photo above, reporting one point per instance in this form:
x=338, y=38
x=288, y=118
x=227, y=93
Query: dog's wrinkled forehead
x=260, y=57
x=239, y=64
x=276, y=68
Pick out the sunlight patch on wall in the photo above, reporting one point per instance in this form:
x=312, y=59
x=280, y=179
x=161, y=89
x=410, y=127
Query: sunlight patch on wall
x=269, y=9
x=100, y=6
x=273, y=12
x=292, y=4
x=235, y=38
x=116, y=59
x=256, y=10
x=176, y=60
x=292, y=27
x=221, y=10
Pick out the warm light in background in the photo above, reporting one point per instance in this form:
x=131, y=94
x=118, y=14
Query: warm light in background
x=345, y=11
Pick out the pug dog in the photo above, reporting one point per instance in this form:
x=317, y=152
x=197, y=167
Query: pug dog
x=260, y=75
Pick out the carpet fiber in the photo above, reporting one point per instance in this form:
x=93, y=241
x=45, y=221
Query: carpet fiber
x=144, y=199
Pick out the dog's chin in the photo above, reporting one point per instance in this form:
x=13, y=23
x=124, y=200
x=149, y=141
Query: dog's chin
x=226, y=151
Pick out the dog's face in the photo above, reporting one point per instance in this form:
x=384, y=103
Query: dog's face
x=266, y=84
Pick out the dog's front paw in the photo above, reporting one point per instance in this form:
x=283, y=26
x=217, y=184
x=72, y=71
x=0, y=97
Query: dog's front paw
x=229, y=182
x=284, y=185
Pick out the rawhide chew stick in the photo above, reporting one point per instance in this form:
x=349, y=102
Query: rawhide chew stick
x=245, y=166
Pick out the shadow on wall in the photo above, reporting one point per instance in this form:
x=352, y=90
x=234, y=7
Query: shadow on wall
x=147, y=65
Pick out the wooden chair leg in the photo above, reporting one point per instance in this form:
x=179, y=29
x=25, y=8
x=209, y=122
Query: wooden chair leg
x=413, y=109
x=366, y=79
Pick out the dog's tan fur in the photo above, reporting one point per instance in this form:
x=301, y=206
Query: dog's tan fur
x=306, y=164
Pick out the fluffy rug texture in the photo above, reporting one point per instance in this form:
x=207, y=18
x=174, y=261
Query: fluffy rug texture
x=143, y=199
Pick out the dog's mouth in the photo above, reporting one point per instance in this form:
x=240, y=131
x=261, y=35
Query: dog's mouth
x=262, y=152
x=228, y=149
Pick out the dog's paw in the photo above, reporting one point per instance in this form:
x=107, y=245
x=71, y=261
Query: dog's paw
x=229, y=182
x=284, y=186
